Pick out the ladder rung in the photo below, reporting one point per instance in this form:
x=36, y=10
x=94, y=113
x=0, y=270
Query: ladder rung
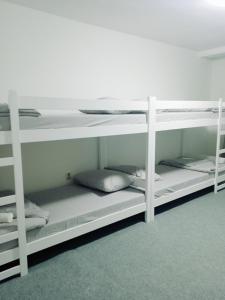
x=4, y=238
x=6, y=200
x=220, y=187
x=10, y=272
x=221, y=151
x=6, y=161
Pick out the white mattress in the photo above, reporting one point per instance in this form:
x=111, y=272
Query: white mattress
x=173, y=179
x=73, y=205
x=53, y=119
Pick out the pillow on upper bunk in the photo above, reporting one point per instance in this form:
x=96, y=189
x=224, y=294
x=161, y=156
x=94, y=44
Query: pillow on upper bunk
x=133, y=170
x=4, y=111
x=104, y=180
x=110, y=112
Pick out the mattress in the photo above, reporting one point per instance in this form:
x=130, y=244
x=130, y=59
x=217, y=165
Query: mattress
x=206, y=164
x=73, y=205
x=59, y=119
x=173, y=179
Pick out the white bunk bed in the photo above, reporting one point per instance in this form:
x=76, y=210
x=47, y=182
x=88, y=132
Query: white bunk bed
x=155, y=121
x=170, y=115
x=17, y=136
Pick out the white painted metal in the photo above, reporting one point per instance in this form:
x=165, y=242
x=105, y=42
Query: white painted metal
x=150, y=161
x=7, y=200
x=6, y=161
x=10, y=272
x=218, y=146
x=102, y=152
x=18, y=179
x=4, y=238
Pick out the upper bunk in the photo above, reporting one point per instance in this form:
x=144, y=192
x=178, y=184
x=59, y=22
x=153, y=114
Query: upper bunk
x=63, y=118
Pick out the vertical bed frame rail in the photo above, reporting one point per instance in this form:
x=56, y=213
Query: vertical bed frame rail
x=18, y=197
x=219, y=178
x=150, y=160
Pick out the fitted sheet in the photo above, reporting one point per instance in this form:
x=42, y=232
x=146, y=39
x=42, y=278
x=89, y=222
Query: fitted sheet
x=205, y=164
x=173, y=179
x=73, y=205
x=56, y=119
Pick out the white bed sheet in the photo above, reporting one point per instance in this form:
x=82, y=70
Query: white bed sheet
x=173, y=179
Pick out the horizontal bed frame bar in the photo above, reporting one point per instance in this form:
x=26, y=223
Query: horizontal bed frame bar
x=10, y=272
x=180, y=104
x=7, y=161
x=6, y=200
x=184, y=124
x=46, y=242
x=82, y=104
x=42, y=135
x=4, y=238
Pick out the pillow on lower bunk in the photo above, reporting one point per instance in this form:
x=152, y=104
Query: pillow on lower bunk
x=104, y=180
x=133, y=170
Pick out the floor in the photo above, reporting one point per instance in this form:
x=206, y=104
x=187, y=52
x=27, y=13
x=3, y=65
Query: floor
x=180, y=256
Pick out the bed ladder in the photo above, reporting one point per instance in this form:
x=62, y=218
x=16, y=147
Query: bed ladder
x=18, y=198
x=219, y=178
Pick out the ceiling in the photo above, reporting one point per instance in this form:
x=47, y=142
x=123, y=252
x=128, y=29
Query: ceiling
x=194, y=24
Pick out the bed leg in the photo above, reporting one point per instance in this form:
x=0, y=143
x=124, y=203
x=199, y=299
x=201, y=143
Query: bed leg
x=150, y=216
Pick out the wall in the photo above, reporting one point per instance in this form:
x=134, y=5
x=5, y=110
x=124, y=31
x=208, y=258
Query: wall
x=41, y=54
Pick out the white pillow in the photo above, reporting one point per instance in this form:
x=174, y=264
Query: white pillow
x=133, y=170
x=104, y=180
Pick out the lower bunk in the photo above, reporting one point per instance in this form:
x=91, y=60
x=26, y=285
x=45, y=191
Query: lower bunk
x=75, y=210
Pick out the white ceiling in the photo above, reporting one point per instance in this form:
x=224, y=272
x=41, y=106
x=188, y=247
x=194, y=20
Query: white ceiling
x=193, y=24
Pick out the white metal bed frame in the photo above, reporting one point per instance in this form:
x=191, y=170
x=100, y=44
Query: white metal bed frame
x=16, y=137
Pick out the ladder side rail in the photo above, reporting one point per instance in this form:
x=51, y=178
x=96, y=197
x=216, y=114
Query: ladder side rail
x=18, y=179
x=219, y=128
x=150, y=160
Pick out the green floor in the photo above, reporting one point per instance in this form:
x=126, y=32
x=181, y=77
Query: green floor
x=180, y=256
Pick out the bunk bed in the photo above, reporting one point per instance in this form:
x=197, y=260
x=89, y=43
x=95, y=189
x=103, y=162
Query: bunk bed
x=155, y=116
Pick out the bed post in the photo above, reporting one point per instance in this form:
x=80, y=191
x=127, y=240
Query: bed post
x=102, y=153
x=18, y=179
x=218, y=143
x=150, y=160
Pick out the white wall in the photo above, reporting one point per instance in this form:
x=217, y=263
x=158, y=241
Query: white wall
x=41, y=54
x=217, y=87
